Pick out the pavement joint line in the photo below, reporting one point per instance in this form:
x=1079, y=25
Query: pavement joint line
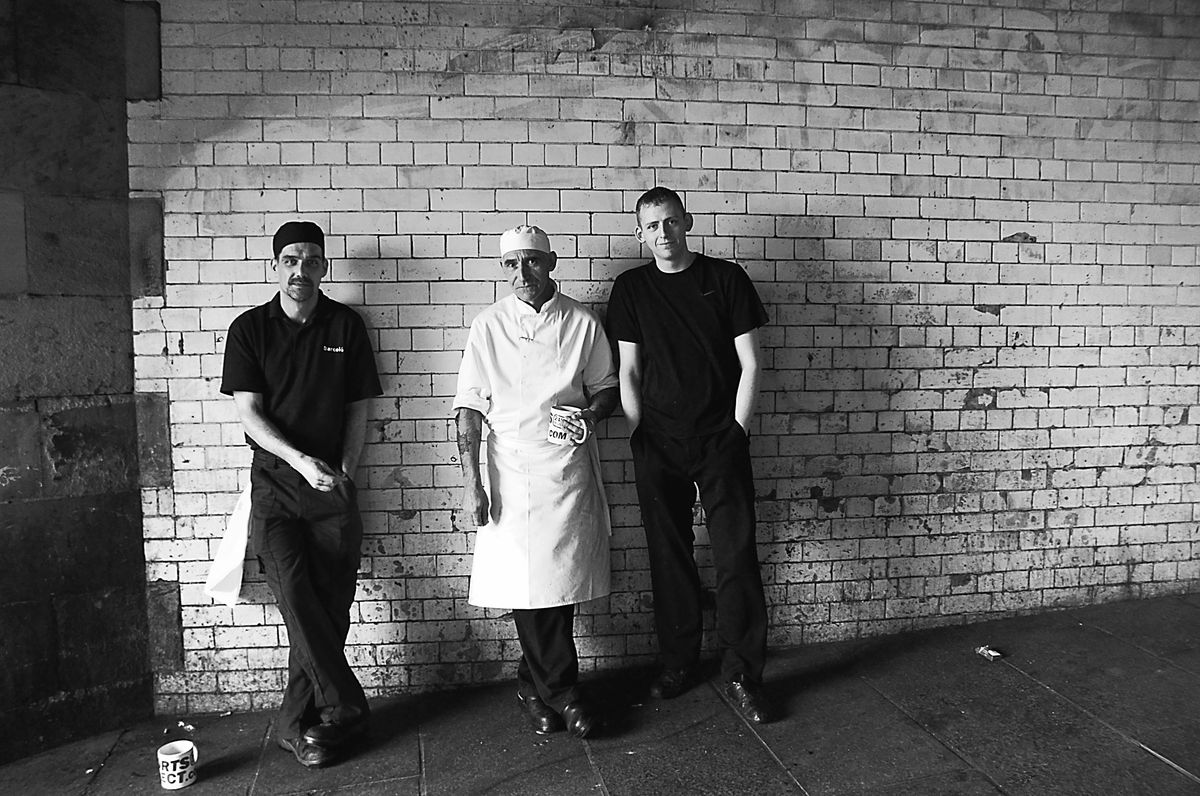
x=262, y=754
x=1121, y=733
x=1140, y=648
x=87, y=786
x=954, y=750
x=1170, y=763
x=761, y=740
x=587, y=748
x=423, y=782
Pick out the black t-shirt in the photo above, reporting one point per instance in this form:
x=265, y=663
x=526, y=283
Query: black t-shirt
x=685, y=324
x=306, y=374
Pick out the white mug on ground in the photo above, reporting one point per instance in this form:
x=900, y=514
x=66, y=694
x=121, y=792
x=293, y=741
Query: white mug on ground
x=559, y=432
x=177, y=764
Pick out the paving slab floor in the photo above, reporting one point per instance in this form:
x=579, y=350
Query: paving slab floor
x=1096, y=700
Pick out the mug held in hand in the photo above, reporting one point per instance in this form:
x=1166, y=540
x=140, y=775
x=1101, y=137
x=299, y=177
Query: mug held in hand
x=559, y=432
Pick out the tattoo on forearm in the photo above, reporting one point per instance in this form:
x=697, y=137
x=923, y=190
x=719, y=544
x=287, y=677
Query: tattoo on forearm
x=469, y=435
x=468, y=440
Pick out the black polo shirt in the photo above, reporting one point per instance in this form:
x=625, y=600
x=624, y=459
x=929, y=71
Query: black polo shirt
x=306, y=374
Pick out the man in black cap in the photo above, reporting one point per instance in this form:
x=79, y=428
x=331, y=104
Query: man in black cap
x=301, y=370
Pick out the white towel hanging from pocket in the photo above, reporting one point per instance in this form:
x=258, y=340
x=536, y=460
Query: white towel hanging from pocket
x=225, y=576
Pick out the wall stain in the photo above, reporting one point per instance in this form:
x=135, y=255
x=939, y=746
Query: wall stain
x=980, y=398
x=830, y=505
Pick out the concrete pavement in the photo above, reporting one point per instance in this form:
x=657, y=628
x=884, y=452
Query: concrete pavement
x=1098, y=700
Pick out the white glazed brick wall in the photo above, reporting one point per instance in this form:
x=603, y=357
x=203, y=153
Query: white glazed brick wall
x=975, y=226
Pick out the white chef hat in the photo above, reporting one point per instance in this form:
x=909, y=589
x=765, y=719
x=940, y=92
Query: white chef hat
x=524, y=237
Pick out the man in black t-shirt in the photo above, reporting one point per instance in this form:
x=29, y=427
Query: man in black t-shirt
x=301, y=370
x=686, y=327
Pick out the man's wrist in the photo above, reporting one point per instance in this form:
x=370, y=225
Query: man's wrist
x=296, y=459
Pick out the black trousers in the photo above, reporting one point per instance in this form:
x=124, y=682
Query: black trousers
x=309, y=545
x=668, y=471
x=549, y=666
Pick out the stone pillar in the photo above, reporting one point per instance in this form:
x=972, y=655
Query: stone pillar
x=73, y=660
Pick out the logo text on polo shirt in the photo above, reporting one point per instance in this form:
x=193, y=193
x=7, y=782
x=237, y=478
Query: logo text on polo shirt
x=334, y=349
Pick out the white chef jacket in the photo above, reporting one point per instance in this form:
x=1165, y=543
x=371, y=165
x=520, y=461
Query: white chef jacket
x=547, y=539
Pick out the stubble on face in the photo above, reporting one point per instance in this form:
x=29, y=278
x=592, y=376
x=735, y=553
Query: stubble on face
x=300, y=267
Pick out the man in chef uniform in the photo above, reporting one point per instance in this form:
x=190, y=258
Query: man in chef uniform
x=543, y=541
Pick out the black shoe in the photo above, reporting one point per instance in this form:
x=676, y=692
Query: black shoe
x=333, y=735
x=748, y=699
x=541, y=716
x=670, y=683
x=308, y=755
x=580, y=720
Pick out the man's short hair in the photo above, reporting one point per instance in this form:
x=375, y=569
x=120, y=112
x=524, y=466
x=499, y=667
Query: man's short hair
x=658, y=195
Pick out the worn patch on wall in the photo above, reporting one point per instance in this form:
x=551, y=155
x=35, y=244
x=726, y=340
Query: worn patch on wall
x=89, y=446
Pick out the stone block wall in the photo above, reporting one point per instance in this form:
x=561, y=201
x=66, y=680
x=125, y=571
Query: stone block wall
x=975, y=226
x=72, y=598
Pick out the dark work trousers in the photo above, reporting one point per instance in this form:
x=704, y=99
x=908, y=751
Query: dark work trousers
x=668, y=471
x=549, y=666
x=309, y=545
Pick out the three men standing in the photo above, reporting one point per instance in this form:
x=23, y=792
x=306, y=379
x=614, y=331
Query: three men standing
x=686, y=327
x=301, y=370
x=542, y=544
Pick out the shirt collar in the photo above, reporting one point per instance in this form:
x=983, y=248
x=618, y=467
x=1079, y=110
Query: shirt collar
x=275, y=308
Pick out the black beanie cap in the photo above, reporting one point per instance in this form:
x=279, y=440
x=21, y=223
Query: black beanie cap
x=298, y=232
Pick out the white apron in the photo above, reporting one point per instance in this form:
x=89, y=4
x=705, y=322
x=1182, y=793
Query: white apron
x=547, y=541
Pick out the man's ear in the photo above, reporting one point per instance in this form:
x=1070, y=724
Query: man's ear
x=637, y=233
x=553, y=262
x=687, y=222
